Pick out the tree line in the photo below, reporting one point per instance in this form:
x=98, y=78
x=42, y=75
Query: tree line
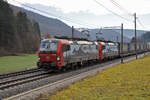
x=18, y=34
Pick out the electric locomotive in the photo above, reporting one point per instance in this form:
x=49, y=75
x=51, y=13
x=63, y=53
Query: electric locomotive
x=60, y=53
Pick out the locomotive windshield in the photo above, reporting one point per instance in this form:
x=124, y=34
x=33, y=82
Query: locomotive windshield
x=48, y=47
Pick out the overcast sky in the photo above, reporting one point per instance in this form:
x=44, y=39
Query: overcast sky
x=141, y=7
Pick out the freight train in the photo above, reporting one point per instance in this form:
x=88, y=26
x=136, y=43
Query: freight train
x=59, y=54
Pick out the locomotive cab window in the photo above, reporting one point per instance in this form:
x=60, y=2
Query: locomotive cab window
x=65, y=48
x=48, y=47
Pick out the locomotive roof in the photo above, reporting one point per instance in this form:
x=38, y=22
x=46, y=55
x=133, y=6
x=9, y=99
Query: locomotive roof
x=52, y=39
x=70, y=41
x=84, y=42
x=79, y=41
x=109, y=43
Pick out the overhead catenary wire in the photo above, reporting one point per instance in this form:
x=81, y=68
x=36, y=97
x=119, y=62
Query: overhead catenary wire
x=121, y=8
x=127, y=12
x=138, y=20
x=79, y=22
x=56, y=16
x=112, y=11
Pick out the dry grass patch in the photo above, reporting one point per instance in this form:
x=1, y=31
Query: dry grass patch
x=128, y=81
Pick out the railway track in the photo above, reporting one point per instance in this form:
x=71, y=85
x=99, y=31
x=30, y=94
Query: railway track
x=23, y=72
x=10, y=81
x=62, y=80
x=21, y=77
x=22, y=80
x=12, y=85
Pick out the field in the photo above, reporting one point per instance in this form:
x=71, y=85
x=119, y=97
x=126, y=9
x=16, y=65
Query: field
x=16, y=63
x=128, y=81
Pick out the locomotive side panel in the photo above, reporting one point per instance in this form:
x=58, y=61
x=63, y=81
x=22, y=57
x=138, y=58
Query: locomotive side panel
x=81, y=52
x=110, y=50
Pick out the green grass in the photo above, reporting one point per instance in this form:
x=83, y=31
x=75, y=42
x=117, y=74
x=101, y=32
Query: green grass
x=16, y=63
x=128, y=81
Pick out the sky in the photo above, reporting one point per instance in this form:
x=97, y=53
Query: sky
x=141, y=7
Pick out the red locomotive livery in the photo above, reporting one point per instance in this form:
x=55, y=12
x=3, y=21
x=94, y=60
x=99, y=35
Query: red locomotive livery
x=58, y=53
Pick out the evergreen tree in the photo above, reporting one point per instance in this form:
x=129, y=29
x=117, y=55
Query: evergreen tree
x=17, y=32
x=7, y=24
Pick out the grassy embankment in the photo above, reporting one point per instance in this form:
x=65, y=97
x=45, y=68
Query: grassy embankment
x=128, y=81
x=16, y=63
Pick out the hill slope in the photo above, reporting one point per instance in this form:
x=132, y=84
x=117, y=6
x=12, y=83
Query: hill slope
x=108, y=34
x=49, y=25
x=56, y=27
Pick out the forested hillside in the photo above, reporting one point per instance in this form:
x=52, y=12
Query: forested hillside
x=52, y=26
x=18, y=34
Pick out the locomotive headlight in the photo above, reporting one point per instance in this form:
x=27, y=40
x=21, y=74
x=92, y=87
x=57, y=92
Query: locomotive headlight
x=38, y=57
x=58, y=58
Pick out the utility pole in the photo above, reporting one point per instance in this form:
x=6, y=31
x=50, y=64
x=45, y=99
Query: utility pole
x=135, y=35
x=72, y=32
x=122, y=43
x=144, y=47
